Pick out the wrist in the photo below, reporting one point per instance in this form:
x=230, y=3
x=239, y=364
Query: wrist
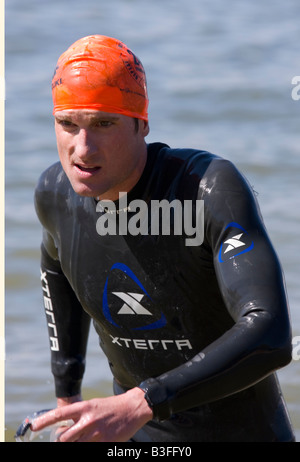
x=68, y=400
x=157, y=398
x=138, y=396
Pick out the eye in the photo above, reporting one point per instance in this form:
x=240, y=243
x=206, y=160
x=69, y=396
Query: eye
x=103, y=123
x=65, y=123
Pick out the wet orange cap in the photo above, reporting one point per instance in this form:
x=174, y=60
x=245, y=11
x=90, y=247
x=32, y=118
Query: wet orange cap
x=100, y=73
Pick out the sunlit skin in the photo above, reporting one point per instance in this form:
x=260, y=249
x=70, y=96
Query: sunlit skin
x=101, y=153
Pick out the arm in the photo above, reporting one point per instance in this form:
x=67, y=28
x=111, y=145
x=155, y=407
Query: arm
x=68, y=324
x=68, y=327
x=253, y=290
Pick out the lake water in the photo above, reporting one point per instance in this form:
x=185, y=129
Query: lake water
x=219, y=77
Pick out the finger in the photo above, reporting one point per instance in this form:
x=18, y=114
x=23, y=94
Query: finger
x=70, y=435
x=55, y=416
x=79, y=432
x=57, y=432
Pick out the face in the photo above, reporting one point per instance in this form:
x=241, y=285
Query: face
x=101, y=153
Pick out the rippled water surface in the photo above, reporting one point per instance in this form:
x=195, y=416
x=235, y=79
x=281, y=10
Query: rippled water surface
x=219, y=76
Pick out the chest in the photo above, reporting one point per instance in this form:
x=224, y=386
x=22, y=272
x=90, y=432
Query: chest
x=136, y=283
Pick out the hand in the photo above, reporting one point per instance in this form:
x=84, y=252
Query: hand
x=112, y=419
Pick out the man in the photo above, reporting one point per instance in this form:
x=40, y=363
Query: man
x=193, y=328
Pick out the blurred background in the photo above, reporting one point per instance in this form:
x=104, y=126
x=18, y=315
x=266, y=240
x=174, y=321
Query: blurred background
x=219, y=78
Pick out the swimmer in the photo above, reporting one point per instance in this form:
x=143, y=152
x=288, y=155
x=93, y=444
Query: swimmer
x=193, y=334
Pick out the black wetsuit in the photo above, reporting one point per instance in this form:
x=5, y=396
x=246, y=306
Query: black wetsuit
x=200, y=328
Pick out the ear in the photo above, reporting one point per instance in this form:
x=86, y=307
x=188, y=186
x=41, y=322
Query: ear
x=144, y=127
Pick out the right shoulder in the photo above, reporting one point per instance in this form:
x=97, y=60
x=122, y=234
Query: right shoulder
x=52, y=184
x=50, y=178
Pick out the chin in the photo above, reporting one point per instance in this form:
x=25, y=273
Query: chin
x=84, y=190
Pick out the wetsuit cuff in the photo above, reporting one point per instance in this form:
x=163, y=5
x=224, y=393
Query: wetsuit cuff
x=63, y=390
x=157, y=398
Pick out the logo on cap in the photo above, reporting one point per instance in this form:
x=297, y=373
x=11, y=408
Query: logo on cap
x=135, y=68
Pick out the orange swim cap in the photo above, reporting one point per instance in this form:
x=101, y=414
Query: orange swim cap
x=100, y=73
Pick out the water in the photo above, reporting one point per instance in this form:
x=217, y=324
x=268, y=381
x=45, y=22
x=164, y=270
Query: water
x=219, y=76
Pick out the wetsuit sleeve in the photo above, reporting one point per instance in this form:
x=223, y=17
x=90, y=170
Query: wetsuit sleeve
x=68, y=324
x=252, y=287
x=68, y=327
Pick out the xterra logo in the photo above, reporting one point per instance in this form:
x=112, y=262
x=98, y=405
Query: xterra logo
x=131, y=308
x=135, y=310
x=238, y=242
x=131, y=305
x=234, y=243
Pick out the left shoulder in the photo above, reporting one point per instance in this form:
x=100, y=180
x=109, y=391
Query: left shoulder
x=222, y=175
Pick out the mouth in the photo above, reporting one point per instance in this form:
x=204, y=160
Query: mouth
x=86, y=171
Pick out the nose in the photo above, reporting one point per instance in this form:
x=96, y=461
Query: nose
x=85, y=145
